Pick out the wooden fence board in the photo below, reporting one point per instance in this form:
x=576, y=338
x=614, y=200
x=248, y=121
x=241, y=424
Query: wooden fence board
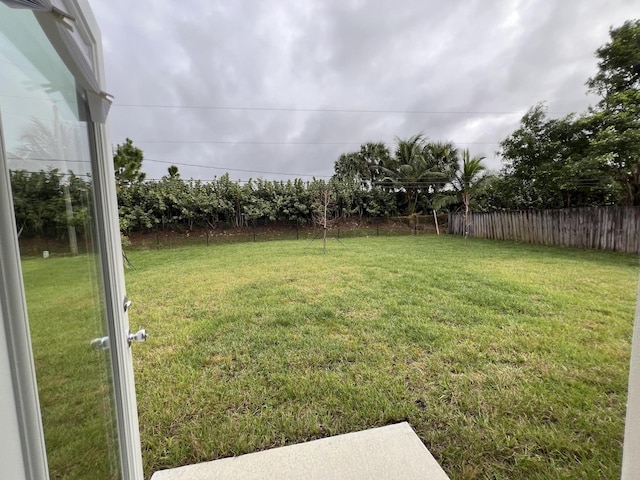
x=606, y=228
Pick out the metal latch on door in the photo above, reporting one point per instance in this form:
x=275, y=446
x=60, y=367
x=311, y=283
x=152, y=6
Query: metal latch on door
x=141, y=335
x=102, y=343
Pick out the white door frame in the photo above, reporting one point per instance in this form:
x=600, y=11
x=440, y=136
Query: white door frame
x=117, y=316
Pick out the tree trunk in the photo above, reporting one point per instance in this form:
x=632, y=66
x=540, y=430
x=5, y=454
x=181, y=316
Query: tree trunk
x=324, y=222
x=466, y=215
x=73, y=240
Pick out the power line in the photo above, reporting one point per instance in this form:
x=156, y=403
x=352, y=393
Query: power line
x=182, y=164
x=238, y=142
x=593, y=182
x=251, y=142
x=210, y=180
x=584, y=182
x=316, y=110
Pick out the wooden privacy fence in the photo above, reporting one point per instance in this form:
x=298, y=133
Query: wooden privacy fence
x=604, y=228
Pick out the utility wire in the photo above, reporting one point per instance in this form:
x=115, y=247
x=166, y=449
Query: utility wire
x=235, y=169
x=316, y=110
x=250, y=142
x=420, y=184
x=578, y=181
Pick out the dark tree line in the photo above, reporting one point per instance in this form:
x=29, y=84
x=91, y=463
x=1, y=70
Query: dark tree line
x=369, y=183
x=172, y=203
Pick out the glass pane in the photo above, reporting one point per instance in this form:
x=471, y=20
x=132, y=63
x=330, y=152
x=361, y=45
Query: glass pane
x=49, y=157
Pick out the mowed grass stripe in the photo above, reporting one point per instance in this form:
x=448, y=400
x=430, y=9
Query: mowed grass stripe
x=509, y=360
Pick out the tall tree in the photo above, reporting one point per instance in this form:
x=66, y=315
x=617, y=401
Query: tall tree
x=443, y=159
x=414, y=170
x=376, y=157
x=549, y=164
x=350, y=167
x=616, y=119
x=364, y=166
x=468, y=180
x=619, y=65
x=127, y=163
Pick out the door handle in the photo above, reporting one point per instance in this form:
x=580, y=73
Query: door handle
x=141, y=335
x=138, y=337
x=102, y=343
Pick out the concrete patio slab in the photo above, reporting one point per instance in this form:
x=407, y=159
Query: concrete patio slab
x=393, y=452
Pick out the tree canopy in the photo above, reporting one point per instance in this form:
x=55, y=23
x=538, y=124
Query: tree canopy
x=587, y=159
x=619, y=62
x=127, y=163
x=549, y=163
x=616, y=118
x=365, y=166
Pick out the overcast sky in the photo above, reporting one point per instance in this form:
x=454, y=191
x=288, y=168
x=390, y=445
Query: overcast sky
x=284, y=87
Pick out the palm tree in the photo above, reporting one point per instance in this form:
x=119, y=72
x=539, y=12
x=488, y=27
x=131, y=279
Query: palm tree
x=375, y=156
x=363, y=167
x=467, y=181
x=414, y=171
x=173, y=172
x=445, y=158
x=351, y=167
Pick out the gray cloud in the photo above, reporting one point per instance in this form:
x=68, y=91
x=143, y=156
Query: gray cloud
x=447, y=58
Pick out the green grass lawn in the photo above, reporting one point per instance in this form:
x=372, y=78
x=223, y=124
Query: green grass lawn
x=508, y=360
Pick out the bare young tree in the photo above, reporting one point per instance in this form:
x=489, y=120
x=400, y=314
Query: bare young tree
x=322, y=215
